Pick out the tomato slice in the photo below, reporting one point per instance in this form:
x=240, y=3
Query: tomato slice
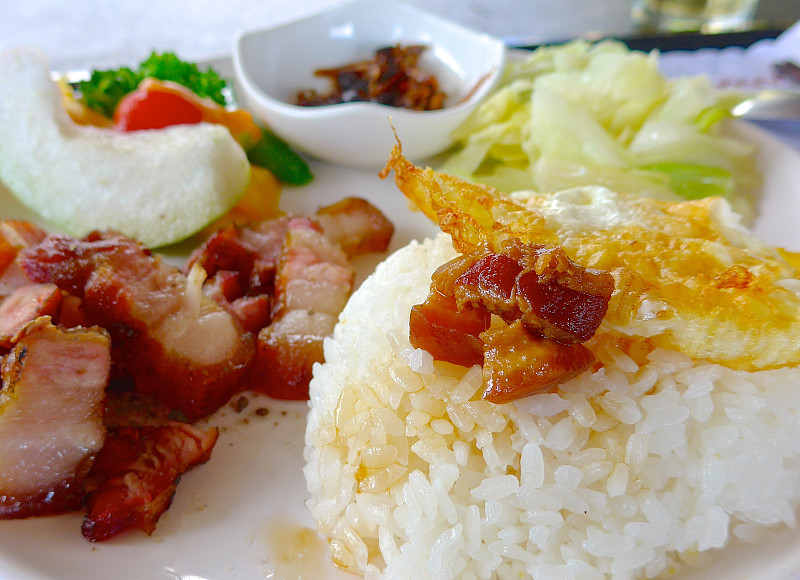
x=143, y=109
x=156, y=104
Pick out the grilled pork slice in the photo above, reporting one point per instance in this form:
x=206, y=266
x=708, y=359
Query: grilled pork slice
x=51, y=424
x=313, y=273
x=286, y=352
x=251, y=252
x=69, y=262
x=177, y=344
x=15, y=235
x=133, y=479
x=21, y=234
x=241, y=264
x=356, y=225
x=25, y=304
x=286, y=280
x=312, y=284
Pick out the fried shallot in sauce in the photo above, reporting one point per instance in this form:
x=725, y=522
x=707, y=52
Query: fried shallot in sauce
x=392, y=77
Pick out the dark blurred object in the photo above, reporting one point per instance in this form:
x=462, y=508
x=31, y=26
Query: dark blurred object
x=691, y=40
x=695, y=40
x=788, y=70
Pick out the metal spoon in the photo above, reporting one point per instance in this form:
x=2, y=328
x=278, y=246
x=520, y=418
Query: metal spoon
x=769, y=105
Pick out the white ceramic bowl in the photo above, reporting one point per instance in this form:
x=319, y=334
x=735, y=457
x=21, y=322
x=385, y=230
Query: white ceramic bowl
x=272, y=65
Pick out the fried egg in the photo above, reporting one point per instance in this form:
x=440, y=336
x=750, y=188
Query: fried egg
x=717, y=292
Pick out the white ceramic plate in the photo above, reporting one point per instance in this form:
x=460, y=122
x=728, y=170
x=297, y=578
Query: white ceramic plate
x=238, y=516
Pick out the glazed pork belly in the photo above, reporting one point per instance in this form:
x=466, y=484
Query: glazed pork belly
x=544, y=306
x=51, y=423
x=538, y=284
x=159, y=320
x=517, y=363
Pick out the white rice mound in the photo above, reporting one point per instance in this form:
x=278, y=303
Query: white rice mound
x=630, y=471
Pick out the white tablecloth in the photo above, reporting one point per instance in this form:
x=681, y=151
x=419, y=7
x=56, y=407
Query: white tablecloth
x=99, y=33
x=85, y=34
x=102, y=33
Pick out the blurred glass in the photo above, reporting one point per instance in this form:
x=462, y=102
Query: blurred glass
x=701, y=15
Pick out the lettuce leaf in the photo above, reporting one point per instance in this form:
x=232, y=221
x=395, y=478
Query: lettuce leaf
x=600, y=114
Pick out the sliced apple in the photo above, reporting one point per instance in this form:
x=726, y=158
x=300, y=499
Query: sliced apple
x=158, y=186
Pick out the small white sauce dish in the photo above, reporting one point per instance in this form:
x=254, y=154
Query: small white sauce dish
x=273, y=65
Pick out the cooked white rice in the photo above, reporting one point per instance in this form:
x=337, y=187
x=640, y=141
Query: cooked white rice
x=630, y=471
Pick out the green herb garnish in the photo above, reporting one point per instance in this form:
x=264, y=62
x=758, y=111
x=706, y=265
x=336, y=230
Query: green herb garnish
x=274, y=153
x=105, y=89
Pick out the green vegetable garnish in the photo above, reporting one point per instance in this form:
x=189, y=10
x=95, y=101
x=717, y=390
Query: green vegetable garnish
x=583, y=114
x=275, y=154
x=709, y=117
x=105, y=89
x=692, y=181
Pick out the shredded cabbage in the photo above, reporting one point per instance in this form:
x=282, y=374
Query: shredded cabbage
x=600, y=114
